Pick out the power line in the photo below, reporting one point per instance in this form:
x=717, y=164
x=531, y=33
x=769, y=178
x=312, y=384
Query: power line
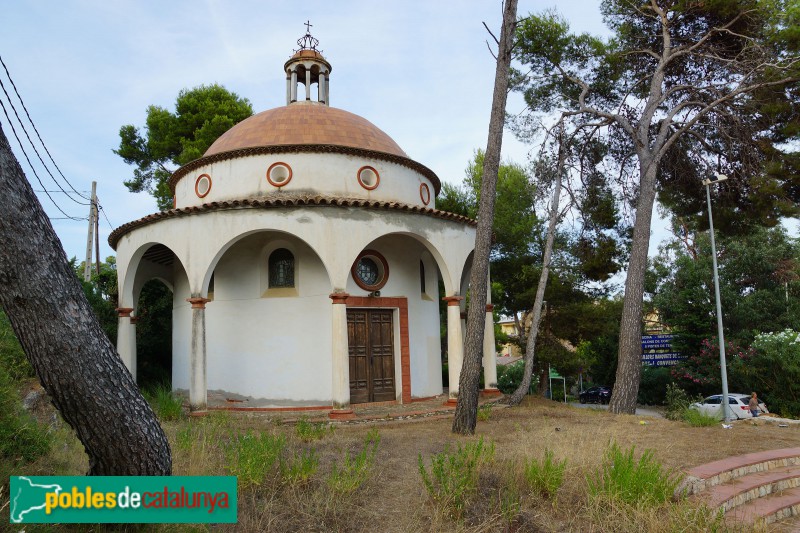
x=14, y=130
x=102, y=210
x=14, y=85
x=42, y=190
x=34, y=146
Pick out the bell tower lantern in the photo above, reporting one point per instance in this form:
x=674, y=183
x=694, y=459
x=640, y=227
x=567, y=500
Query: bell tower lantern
x=309, y=67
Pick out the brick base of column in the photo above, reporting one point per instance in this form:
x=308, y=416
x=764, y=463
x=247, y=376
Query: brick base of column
x=341, y=414
x=198, y=413
x=491, y=393
x=451, y=402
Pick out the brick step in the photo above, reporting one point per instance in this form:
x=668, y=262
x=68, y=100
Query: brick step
x=769, y=509
x=705, y=476
x=750, y=487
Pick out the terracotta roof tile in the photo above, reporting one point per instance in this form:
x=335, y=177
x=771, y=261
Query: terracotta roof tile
x=305, y=124
x=282, y=201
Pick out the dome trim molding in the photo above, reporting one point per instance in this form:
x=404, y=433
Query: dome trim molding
x=304, y=148
x=285, y=200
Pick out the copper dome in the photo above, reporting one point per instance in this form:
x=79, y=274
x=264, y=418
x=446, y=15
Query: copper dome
x=305, y=124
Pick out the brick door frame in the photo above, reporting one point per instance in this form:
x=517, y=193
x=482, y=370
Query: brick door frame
x=401, y=304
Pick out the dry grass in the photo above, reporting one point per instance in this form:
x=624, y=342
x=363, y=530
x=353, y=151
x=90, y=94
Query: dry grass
x=393, y=497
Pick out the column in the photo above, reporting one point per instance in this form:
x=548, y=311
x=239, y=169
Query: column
x=489, y=355
x=308, y=84
x=294, y=85
x=455, y=345
x=132, y=348
x=321, y=87
x=126, y=336
x=463, y=327
x=327, y=90
x=198, y=394
x=340, y=359
x=288, y=90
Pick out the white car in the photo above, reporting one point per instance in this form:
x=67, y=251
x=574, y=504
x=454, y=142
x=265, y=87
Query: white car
x=712, y=406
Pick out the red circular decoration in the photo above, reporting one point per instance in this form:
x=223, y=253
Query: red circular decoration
x=274, y=180
x=197, y=185
x=368, y=178
x=424, y=193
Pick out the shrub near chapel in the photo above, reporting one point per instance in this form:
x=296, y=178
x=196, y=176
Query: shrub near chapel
x=772, y=368
x=700, y=373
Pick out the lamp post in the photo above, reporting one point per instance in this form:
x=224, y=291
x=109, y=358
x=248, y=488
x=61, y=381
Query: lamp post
x=720, y=337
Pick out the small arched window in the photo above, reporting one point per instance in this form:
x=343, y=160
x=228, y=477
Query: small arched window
x=281, y=269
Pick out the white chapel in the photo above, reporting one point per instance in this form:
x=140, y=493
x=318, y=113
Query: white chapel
x=304, y=252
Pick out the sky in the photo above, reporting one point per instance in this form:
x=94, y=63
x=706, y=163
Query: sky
x=418, y=69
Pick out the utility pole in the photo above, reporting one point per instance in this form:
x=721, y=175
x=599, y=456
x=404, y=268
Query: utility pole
x=87, y=265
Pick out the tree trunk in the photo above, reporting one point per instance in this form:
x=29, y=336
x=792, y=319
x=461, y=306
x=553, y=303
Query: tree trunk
x=629, y=358
x=466, y=415
x=76, y=363
x=530, y=347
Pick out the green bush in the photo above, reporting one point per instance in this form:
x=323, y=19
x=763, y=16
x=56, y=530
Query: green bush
x=251, y=456
x=678, y=401
x=640, y=483
x=453, y=477
x=22, y=439
x=509, y=377
x=12, y=357
x=779, y=350
x=185, y=438
x=300, y=468
x=166, y=405
x=546, y=476
x=310, y=431
x=653, y=385
x=695, y=418
x=354, y=471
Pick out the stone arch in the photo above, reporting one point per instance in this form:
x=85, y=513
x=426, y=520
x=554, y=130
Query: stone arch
x=466, y=274
x=152, y=260
x=261, y=341
x=416, y=345
x=265, y=249
x=441, y=262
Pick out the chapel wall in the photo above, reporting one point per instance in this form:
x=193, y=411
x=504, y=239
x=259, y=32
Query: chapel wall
x=326, y=174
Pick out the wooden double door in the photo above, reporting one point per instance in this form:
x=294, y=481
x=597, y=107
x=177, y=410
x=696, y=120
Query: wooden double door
x=370, y=341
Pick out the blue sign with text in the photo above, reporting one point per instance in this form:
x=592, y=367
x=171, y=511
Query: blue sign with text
x=657, y=350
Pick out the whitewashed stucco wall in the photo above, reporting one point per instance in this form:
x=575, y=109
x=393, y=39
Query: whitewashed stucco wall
x=325, y=174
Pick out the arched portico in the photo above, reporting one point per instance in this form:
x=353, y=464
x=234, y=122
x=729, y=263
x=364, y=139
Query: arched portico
x=152, y=260
x=266, y=341
x=457, y=313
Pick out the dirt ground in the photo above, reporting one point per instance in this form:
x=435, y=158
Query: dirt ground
x=395, y=499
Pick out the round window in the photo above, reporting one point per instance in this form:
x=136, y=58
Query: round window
x=279, y=174
x=370, y=271
x=424, y=193
x=367, y=271
x=369, y=178
x=202, y=186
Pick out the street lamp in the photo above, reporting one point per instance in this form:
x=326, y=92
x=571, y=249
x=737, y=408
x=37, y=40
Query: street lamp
x=720, y=337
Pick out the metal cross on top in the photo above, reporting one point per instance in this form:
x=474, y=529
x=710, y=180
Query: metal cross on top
x=307, y=42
